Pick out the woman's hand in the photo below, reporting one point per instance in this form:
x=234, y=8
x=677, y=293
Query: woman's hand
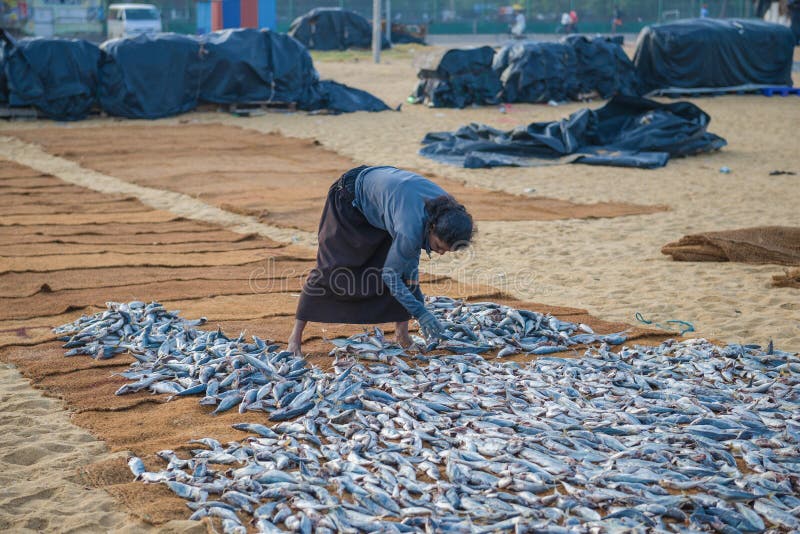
x=430, y=326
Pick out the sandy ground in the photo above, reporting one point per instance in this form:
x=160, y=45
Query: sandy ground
x=612, y=267
x=41, y=454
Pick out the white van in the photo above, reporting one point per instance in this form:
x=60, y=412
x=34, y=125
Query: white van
x=128, y=20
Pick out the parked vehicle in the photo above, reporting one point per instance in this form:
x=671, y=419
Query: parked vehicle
x=128, y=20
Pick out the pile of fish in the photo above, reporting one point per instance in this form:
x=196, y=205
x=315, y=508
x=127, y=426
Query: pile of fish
x=687, y=436
x=475, y=328
x=177, y=359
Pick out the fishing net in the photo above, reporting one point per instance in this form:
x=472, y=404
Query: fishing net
x=791, y=278
x=762, y=244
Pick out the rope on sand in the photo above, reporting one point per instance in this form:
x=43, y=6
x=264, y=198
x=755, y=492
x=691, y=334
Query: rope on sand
x=683, y=326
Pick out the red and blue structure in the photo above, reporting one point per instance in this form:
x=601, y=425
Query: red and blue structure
x=222, y=14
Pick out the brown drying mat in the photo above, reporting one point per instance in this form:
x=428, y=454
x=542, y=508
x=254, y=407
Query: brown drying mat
x=47, y=199
x=44, y=304
x=97, y=261
x=262, y=273
x=165, y=238
x=762, y=244
x=26, y=178
x=790, y=278
x=51, y=248
x=149, y=217
x=119, y=206
x=52, y=191
x=111, y=229
x=258, y=174
x=10, y=171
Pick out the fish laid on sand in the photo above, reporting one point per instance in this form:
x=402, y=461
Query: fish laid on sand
x=683, y=437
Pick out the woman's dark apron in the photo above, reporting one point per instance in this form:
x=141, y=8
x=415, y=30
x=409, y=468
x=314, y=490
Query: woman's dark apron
x=346, y=284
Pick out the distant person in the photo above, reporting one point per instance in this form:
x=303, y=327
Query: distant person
x=567, y=26
x=616, y=19
x=518, y=28
x=704, y=11
x=573, y=20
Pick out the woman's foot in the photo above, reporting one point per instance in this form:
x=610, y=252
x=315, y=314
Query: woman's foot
x=404, y=341
x=296, y=339
x=295, y=348
x=401, y=335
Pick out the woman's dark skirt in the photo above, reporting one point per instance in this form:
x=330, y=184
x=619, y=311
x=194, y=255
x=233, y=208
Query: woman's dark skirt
x=346, y=284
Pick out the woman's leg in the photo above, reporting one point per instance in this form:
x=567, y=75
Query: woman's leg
x=401, y=334
x=296, y=337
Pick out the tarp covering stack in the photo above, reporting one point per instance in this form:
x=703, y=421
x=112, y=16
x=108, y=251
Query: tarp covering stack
x=153, y=76
x=6, y=42
x=147, y=77
x=604, y=67
x=253, y=66
x=57, y=76
x=463, y=77
x=529, y=71
x=329, y=28
x=537, y=72
x=714, y=54
x=626, y=132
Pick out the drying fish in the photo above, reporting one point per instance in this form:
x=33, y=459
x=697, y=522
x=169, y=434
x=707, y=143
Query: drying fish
x=683, y=437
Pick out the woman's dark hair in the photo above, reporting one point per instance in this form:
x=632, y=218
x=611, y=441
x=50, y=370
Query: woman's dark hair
x=450, y=221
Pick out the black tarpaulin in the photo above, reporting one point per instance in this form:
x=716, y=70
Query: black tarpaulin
x=151, y=76
x=329, y=28
x=529, y=71
x=340, y=98
x=533, y=71
x=57, y=76
x=462, y=77
x=6, y=43
x=626, y=132
x=714, y=53
x=247, y=65
x=603, y=67
x=239, y=67
x=292, y=68
x=154, y=76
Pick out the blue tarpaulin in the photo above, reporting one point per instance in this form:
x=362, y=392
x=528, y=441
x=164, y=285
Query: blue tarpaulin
x=713, y=53
x=153, y=76
x=148, y=77
x=57, y=76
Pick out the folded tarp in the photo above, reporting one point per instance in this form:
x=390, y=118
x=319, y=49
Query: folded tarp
x=330, y=28
x=762, y=244
x=626, y=132
x=714, y=54
x=790, y=278
x=339, y=98
x=151, y=76
x=462, y=77
x=59, y=77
